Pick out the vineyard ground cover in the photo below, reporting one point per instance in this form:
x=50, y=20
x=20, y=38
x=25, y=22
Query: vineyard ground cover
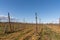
x=24, y=33
x=11, y=34
x=48, y=34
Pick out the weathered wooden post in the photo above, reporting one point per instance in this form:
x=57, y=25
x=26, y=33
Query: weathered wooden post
x=59, y=22
x=9, y=25
x=9, y=22
x=36, y=23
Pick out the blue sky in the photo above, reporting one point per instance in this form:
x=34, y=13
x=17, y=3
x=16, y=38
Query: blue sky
x=47, y=10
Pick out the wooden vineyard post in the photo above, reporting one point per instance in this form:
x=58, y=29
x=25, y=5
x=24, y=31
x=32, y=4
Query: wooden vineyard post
x=59, y=22
x=36, y=23
x=9, y=22
x=39, y=21
x=24, y=20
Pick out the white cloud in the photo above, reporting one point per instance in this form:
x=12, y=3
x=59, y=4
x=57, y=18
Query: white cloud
x=4, y=18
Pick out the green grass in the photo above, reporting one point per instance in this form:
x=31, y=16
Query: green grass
x=22, y=34
x=1, y=30
x=46, y=32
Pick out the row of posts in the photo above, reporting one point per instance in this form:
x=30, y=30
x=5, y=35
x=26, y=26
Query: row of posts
x=24, y=20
